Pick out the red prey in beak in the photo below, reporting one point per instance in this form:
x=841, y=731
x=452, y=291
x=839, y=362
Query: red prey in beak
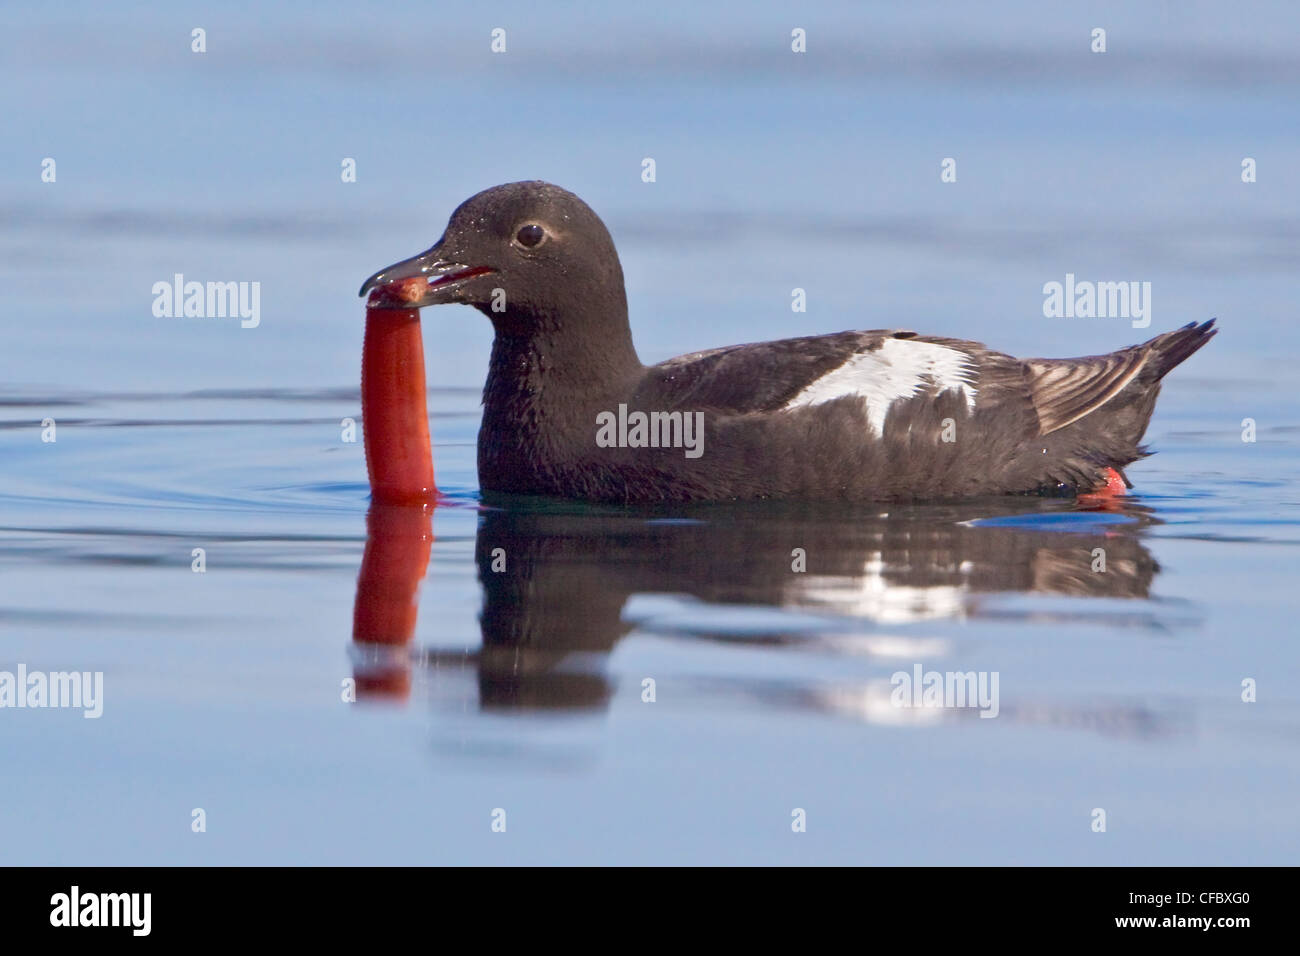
x=426, y=279
x=394, y=406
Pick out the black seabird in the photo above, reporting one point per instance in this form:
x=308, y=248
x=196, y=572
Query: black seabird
x=570, y=411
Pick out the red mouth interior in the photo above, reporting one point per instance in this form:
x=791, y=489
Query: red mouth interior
x=450, y=277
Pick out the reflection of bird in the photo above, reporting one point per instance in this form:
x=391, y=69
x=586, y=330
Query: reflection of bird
x=555, y=582
x=570, y=411
x=873, y=703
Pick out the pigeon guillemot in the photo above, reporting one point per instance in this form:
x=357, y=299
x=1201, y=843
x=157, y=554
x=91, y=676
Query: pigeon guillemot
x=570, y=411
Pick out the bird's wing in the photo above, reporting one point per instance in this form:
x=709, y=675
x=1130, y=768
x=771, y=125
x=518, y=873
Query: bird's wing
x=1065, y=390
x=879, y=367
x=758, y=377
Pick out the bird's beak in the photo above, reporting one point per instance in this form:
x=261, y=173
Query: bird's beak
x=427, y=279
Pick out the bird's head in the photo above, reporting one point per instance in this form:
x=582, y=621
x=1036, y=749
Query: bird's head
x=528, y=255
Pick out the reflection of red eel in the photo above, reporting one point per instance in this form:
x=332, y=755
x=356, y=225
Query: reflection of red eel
x=398, y=540
x=394, y=413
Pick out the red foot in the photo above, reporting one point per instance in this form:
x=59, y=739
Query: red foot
x=1113, y=488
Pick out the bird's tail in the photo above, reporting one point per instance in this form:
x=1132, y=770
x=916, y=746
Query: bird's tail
x=1173, y=348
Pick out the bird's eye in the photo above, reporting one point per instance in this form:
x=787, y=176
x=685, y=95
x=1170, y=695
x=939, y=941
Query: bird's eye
x=530, y=235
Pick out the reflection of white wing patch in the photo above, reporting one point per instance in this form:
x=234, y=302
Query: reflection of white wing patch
x=900, y=368
x=871, y=595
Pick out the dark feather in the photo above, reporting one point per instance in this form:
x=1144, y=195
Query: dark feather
x=1065, y=390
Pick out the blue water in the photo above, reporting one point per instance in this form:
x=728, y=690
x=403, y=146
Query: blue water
x=1118, y=690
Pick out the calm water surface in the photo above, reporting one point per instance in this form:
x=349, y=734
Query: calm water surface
x=523, y=689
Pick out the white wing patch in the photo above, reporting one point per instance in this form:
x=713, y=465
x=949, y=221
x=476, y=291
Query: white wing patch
x=898, y=369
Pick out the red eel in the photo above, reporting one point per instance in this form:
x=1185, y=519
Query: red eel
x=394, y=410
